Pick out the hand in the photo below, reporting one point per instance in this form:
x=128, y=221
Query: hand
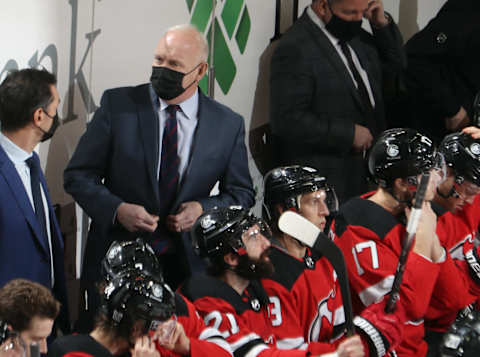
x=390, y=326
x=144, y=347
x=438, y=252
x=351, y=347
x=458, y=121
x=362, y=138
x=425, y=235
x=135, y=218
x=473, y=131
x=375, y=14
x=187, y=214
x=177, y=341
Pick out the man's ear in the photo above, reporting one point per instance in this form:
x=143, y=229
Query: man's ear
x=400, y=187
x=202, y=69
x=136, y=330
x=279, y=209
x=320, y=7
x=231, y=259
x=37, y=116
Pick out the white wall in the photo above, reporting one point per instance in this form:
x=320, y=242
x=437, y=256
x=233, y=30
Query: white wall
x=121, y=54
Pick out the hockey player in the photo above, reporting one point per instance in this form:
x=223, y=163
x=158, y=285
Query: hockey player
x=458, y=208
x=131, y=267
x=132, y=303
x=370, y=231
x=304, y=286
x=463, y=337
x=231, y=297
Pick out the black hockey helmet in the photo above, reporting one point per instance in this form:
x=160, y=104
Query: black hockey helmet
x=130, y=256
x=4, y=332
x=401, y=153
x=219, y=231
x=285, y=184
x=10, y=341
x=463, y=337
x=139, y=296
x=462, y=154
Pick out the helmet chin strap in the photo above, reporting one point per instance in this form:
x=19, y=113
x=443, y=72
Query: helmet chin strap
x=448, y=195
x=407, y=202
x=458, y=180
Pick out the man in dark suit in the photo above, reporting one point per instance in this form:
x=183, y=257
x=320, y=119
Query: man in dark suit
x=443, y=75
x=136, y=172
x=31, y=246
x=326, y=88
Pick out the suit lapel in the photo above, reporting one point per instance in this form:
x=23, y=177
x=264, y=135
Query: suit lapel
x=55, y=233
x=10, y=174
x=366, y=65
x=149, y=131
x=332, y=55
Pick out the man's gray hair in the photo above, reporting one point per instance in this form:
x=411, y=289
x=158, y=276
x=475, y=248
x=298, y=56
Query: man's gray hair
x=202, y=42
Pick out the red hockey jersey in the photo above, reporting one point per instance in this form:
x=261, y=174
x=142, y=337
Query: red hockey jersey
x=307, y=305
x=242, y=320
x=204, y=340
x=371, y=240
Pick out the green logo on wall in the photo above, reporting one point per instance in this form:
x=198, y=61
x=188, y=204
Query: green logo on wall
x=232, y=28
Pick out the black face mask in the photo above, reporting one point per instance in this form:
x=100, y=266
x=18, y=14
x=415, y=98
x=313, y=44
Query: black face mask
x=342, y=29
x=167, y=83
x=48, y=134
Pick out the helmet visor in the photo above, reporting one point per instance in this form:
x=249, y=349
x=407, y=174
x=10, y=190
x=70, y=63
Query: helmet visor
x=466, y=190
x=249, y=229
x=324, y=200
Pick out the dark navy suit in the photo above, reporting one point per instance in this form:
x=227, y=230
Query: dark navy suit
x=121, y=147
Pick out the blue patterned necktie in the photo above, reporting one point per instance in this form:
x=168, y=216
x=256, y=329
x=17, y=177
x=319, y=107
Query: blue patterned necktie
x=170, y=162
x=168, y=177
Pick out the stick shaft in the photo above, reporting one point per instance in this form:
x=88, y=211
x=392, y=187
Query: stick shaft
x=407, y=242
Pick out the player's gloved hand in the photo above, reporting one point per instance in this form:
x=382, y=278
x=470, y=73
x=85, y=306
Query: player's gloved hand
x=384, y=331
x=473, y=260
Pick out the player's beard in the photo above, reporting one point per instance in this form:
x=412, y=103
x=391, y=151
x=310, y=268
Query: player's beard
x=251, y=269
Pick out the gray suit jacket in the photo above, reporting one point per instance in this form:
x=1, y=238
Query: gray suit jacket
x=314, y=103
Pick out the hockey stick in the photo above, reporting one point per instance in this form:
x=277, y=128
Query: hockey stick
x=309, y=234
x=34, y=350
x=476, y=110
x=407, y=242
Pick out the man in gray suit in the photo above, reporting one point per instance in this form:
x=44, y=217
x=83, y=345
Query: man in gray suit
x=326, y=88
x=151, y=156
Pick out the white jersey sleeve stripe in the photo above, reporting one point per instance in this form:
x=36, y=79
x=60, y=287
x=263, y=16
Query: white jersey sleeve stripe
x=339, y=316
x=290, y=343
x=255, y=351
x=209, y=332
x=214, y=336
x=243, y=341
x=375, y=292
